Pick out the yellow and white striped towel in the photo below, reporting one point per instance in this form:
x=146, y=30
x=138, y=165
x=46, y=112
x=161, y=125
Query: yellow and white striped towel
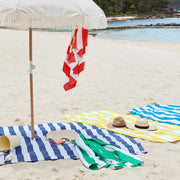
x=165, y=132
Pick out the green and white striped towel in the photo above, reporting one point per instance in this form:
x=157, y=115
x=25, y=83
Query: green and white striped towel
x=96, y=154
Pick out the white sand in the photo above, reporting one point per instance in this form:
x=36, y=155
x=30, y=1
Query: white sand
x=121, y=18
x=119, y=75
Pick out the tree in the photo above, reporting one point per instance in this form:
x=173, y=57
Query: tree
x=114, y=7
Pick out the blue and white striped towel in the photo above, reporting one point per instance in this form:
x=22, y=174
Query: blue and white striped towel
x=162, y=113
x=41, y=149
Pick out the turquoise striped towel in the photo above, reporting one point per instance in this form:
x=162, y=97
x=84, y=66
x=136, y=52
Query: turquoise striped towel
x=162, y=113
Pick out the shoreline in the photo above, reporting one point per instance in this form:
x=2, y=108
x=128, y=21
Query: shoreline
x=163, y=26
x=139, y=17
x=152, y=26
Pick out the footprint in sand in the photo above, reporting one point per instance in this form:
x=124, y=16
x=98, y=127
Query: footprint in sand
x=18, y=122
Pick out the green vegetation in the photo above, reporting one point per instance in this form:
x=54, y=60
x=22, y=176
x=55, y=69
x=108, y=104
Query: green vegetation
x=174, y=4
x=125, y=7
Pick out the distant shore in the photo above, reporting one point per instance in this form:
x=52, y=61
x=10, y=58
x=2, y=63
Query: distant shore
x=137, y=16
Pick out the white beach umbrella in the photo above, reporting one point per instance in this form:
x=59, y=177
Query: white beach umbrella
x=56, y=14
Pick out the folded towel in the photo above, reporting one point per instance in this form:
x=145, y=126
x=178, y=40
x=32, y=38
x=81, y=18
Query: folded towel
x=96, y=154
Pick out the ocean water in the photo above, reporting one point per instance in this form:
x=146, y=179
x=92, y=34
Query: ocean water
x=146, y=35
x=160, y=35
x=143, y=22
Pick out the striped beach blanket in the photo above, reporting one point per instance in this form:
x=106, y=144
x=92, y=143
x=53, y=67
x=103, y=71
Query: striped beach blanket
x=41, y=149
x=164, y=133
x=96, y=154
x=162, y=113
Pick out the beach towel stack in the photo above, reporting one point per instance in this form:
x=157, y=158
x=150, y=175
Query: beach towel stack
x=96, y=154
x=162, y=113
x=75, y=59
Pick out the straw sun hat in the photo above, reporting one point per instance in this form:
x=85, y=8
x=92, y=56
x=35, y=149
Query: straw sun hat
x=142, y=123
x=118, y=122
x=67, y=135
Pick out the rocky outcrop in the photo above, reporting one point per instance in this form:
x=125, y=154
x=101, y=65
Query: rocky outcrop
x=158, y=25
x=150, y=16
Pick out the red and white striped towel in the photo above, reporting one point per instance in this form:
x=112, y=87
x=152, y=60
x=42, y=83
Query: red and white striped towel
x=75, y=59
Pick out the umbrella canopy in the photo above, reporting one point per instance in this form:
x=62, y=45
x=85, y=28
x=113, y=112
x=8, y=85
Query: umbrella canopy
x=62, y=14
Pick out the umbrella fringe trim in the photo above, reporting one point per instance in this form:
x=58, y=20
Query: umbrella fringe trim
x=22, y=21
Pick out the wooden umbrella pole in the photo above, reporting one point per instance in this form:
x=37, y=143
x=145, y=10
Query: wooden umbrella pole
x=31, y=82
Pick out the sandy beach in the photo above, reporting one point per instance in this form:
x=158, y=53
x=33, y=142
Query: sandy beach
x=119, y=75
x=121, y=18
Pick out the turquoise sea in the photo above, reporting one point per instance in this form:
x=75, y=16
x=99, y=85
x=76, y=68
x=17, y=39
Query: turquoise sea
x=143, y=22
x=161, y=35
